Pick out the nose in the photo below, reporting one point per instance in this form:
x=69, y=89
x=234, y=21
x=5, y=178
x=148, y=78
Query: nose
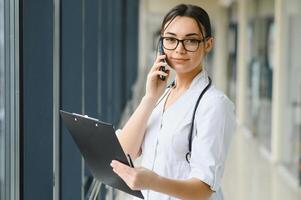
x=180, y=48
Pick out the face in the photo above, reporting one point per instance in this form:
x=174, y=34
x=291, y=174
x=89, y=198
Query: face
x=181, y=60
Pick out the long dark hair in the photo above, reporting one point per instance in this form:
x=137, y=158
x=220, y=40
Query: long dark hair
x=187, y=10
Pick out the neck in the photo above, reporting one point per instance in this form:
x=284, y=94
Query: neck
x=183, y=80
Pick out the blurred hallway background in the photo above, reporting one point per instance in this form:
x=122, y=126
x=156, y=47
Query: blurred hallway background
x=92, y=57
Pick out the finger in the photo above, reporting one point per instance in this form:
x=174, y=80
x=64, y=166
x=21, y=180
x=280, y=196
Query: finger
x=121, y=173
x=129, y=180
x=158, y=65
x=120, y=167
x=160, y=57
x=165, y=64
x=125, y=177
x=157, y=73
x=168, y=67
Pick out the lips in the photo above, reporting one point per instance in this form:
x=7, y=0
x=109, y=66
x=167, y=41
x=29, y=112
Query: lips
x=179, y=60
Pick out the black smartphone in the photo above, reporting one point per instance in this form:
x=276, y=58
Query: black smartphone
x=161, y=52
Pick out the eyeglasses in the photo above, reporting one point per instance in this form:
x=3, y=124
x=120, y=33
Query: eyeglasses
x=171, y=43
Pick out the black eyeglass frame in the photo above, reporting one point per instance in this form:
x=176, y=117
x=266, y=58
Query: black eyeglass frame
x=182, y=41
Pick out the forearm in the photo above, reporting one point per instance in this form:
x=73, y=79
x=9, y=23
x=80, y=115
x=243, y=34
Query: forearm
x=132, y=134
x=192, y=189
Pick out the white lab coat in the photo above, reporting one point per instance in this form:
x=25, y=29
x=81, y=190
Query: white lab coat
x=166, y=138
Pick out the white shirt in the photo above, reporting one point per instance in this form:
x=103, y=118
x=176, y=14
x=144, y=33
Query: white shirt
x=166, y=138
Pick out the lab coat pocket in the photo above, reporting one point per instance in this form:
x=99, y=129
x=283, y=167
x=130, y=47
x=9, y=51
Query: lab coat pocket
x=180, y=141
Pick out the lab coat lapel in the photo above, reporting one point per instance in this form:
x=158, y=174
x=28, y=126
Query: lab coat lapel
x=185, y=105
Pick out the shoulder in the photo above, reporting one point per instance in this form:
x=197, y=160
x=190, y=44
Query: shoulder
x=215, y=99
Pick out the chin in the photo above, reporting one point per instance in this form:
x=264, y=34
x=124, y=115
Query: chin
x=182, y=69
x=179, y=67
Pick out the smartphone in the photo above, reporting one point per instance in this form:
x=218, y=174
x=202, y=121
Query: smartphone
x=161, y=52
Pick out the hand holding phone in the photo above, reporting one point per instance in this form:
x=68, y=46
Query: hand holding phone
x=161, y=52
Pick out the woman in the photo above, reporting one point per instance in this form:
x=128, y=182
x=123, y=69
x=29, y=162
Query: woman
x=159, y=129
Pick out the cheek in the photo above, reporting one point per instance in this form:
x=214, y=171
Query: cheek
x=197, y=59
x=168, y=55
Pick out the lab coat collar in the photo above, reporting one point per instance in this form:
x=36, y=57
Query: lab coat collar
x=187, y=101
x=199, y=81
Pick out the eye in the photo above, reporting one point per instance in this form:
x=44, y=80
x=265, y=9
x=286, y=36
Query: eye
x=191, y=41
x=170, y=39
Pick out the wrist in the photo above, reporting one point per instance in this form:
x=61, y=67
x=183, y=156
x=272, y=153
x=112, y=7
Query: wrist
x=150, y=100
x=155, y=182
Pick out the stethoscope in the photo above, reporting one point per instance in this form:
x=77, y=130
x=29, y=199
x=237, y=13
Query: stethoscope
x=188, y=154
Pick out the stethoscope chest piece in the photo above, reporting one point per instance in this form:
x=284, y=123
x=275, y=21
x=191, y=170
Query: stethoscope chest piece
x=188, y=156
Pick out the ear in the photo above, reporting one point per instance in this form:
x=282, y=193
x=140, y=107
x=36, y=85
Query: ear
x=209, y=44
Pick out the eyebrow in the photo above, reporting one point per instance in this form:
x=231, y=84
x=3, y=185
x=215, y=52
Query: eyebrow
x=189, y=34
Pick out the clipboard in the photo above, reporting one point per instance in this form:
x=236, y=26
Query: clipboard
x=98, y=145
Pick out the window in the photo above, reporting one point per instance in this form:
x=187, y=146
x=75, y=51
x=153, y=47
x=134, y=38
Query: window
x=261, y=83
x=260, y=29
x=9, y=145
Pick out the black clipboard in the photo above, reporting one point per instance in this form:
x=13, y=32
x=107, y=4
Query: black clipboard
x=98, y=145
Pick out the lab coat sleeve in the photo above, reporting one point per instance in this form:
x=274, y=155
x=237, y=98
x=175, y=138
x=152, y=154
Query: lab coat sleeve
x=214, y=126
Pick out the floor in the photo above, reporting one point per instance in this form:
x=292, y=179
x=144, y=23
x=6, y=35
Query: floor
x=249, y=174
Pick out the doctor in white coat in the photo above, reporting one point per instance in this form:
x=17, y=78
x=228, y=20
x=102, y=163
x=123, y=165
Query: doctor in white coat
x=183, y=132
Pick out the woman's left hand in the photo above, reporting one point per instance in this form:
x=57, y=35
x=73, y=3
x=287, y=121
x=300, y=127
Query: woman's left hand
x=136, y=178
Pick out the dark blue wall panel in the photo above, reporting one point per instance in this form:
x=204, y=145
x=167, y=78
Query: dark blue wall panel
x=91, y=62
x=131, y=51
x=105, y=61
x=117, y=59
x=90, y=56
x=71, y=95
x=98, y=65
x=36, y=102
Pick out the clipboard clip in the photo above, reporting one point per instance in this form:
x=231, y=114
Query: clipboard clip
x=85, y=116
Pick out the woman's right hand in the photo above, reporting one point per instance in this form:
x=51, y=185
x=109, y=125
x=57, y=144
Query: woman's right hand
x=154, y=85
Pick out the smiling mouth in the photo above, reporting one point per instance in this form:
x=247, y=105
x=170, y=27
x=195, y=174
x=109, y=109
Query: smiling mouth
x=179, y=59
